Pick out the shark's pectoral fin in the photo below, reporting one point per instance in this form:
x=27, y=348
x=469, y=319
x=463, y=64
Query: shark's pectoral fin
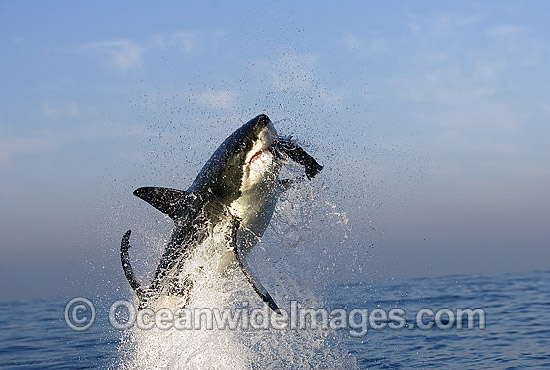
x=168, y=201
x=298, y=155
x=258, y=287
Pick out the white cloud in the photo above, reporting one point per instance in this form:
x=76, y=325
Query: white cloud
x=351, y=41
x=476, y=117
x=374, y=44
x=449, y=81
x=294, y=72
x=14, y=145
x=435, y=57
x=545, y=107
x=122, y=55
x=294, y=75
x=504, y=31
x=451, y=139
x=185, y=41
x=440, y=23
x=40, y=143
x=534, y=58
x=20, y=42
x=331, y=98
x=221, y=99
x=55, y=111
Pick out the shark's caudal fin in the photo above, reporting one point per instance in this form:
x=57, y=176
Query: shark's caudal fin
x=127, y=267
x=258, y=287
x=168, y=201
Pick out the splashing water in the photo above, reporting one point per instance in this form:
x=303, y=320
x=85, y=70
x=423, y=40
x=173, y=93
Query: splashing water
x=198, y=344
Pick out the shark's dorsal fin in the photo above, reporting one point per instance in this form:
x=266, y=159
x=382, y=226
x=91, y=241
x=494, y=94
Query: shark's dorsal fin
x=168, y=201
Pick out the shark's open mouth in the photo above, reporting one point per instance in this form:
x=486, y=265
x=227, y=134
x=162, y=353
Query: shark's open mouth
x=256, y=156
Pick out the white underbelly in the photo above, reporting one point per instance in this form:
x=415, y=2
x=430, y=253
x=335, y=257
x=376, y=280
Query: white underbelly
x=259, y=192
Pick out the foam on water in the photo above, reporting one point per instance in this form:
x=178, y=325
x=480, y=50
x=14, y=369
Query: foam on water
x=215, y=288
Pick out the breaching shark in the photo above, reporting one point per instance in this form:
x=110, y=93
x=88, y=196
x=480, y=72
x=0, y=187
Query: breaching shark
x=239, y=187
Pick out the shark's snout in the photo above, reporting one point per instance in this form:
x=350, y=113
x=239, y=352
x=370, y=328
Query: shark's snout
x=263, y=120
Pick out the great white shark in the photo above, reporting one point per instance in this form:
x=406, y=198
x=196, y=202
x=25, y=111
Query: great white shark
x=238, y=187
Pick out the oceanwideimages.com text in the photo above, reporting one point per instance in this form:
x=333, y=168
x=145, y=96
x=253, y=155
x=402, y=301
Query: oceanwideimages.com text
x=80, y=315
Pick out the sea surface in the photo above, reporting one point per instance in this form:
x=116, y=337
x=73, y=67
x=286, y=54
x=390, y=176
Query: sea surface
x=34, y=334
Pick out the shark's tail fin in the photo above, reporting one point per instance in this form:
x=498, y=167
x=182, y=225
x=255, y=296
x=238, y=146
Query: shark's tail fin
x=127, y=267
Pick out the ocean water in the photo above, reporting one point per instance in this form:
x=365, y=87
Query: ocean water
x=34, y=334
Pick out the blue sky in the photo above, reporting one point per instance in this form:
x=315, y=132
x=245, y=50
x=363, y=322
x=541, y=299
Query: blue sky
x=432, y=120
